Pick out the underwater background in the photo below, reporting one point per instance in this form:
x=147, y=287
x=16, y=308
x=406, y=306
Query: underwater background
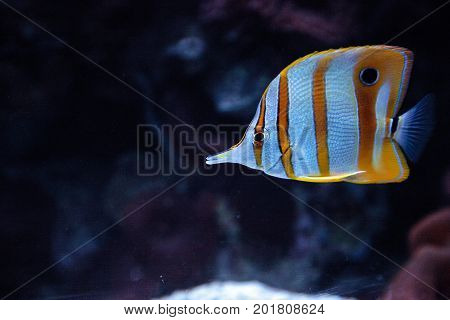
x=68, y=149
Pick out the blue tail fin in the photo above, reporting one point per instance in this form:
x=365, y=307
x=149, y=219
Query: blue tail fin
x=414, y=127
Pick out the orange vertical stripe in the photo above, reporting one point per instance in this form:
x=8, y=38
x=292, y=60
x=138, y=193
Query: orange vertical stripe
x=283, y=125
x=320, y=114
x=366, y=97
x=396, y=73
x=259, y=128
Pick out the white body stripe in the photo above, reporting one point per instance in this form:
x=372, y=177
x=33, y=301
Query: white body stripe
x=301, y=118
x=402, y=82
x=271, y=155
x=342, y=115
x=381, y=105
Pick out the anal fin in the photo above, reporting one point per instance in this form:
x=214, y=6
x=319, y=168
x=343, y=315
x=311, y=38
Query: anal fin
x=388, y=166
x=327, y=179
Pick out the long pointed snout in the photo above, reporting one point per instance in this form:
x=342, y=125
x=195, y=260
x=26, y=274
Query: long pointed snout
x=223, y=157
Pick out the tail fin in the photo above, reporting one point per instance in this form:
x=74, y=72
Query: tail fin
x=415, y=126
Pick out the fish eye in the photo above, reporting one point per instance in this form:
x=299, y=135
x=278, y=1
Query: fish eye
x=369, y=76
x=259, y=137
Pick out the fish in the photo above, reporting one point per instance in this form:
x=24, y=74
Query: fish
x=333, y=116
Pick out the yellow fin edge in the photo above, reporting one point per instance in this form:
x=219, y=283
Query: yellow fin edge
x=334, y=178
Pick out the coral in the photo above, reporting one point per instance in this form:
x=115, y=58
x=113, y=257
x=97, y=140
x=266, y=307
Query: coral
x=425, y=275
x=288, y=16
x=251, y=290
